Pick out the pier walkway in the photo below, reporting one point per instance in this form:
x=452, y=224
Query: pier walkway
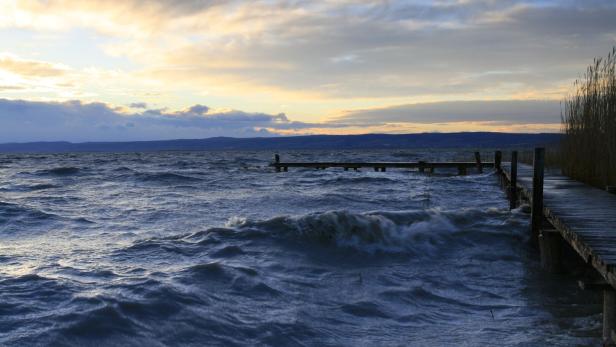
x=584, y=216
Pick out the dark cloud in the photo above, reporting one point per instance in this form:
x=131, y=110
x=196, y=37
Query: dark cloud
x=138, y=105
x=502, y=111
x=22, y=121
x=405, y=48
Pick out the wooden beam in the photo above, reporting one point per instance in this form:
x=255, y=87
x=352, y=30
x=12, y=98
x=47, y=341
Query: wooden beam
x=498, y=157
x=551, y=249
x=478, y=161
x=537, y=200
x=513, y=181
x=277, y=161
x=609, y=316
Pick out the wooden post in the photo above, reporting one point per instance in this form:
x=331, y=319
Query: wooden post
x=376, y=168
x=498, y=156
x=461, y=170
x=609, y=315
x=277, y=161
x=383, y=169
x=513, y=188
x=478, y=161
x=551, y=248
x=537, y=202
x=346, y=168
x=422, y=166
x=285, y=169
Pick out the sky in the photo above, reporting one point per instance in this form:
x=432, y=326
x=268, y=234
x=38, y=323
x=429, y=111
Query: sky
x=99, y=70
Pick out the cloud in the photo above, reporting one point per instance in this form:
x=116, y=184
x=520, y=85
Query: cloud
x=138, y=105
x=497, y=111
x=315, y=57
x=24, y=121
x=30, y=68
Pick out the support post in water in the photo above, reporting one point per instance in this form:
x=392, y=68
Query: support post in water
x=513, y=188
x=537, y=202
x=551, y=248
x=609, y=316
x=462, y=170
x=277, y=161
x=422, y=167
x=498, y=157
x=478, y=161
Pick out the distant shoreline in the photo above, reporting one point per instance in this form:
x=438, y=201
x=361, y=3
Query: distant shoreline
x=324, y=142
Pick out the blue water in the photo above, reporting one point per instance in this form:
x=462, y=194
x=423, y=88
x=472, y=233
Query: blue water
x=214, y=248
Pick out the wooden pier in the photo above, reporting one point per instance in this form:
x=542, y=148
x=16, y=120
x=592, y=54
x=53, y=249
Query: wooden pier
x=566, y=215
x=421, y=166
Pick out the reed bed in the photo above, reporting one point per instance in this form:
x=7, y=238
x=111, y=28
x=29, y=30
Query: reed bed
x=588, y=151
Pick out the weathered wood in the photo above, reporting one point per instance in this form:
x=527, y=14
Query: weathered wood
x=382, y=165
x=498, y=157
x=513, y=184
x=551, y=249
x=462, y=170
x=537, y=200
x=276, y=162
x=587, y=284
x=609, y=316
x=478, y=161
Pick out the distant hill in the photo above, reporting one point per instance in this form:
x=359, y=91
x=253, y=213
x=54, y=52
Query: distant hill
x=369, y=141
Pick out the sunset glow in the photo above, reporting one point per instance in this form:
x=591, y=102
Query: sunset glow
x=322, y=65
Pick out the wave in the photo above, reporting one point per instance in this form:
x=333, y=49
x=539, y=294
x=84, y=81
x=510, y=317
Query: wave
x=59, y=171
x=164, y=177
x=13, y=212
x=419, y=232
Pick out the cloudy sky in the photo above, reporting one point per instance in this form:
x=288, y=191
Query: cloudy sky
x=96, y=70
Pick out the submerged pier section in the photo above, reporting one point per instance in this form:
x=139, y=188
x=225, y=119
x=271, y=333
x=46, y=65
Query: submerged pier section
x=421, y=166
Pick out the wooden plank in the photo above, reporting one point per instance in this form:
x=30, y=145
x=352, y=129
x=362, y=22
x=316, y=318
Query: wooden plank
x=411, y=165
x=583, y=215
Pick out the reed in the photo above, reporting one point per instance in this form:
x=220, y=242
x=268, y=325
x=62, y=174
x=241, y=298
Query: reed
x=588, y=150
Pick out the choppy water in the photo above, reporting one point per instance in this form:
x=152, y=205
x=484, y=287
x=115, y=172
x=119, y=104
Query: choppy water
x=213, y=248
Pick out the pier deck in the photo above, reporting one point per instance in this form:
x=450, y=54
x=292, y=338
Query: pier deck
x=585, y=216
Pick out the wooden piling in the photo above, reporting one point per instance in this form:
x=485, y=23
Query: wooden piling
x=537, y=201
x=462, y=170
x=609, y=316
x=277, y=161
x=478, y=161
x=551, y=250
x=513, y=184
x=498, y=156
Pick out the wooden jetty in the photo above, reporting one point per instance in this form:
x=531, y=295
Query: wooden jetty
x=421, y=166
x=566, y=215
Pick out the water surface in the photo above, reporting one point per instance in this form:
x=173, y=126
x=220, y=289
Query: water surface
x=214, y=248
